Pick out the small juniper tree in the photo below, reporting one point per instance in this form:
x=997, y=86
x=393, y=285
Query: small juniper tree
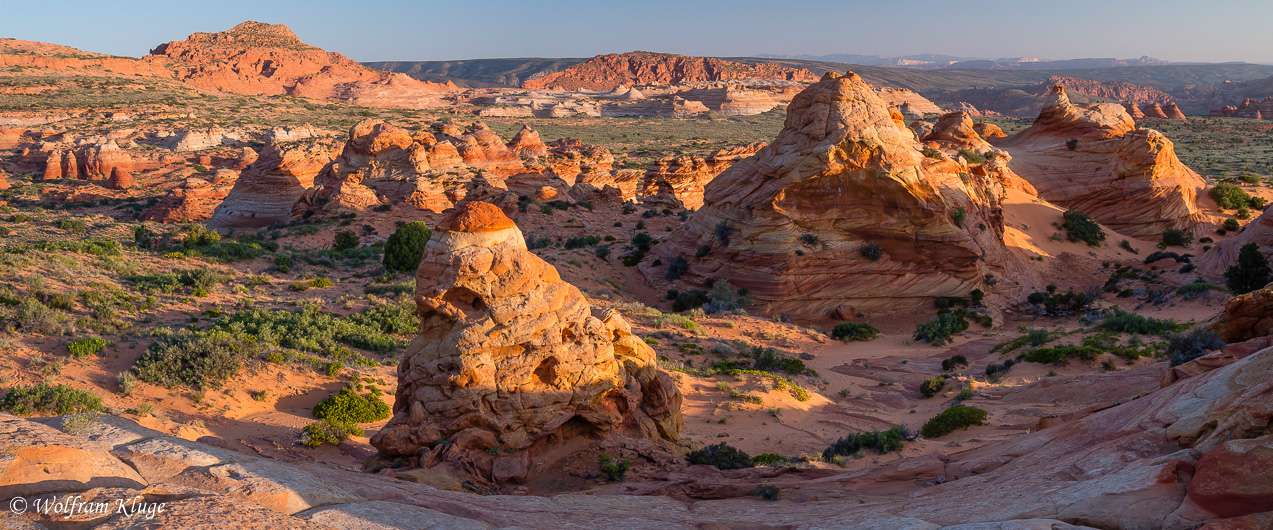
x=1252, y=271
x=405, y=247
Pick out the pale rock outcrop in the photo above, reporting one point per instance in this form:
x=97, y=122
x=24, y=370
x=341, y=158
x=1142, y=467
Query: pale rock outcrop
x=842, y=174
x=246, y=157
x=678, y=181
x=265, y=192
x=509, y=356
x=617, y=186
x=1092, y=158
x=907, y=101
x=965, y=107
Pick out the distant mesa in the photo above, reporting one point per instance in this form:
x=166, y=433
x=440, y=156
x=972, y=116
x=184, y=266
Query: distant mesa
x=260, y=59
x=607, y=72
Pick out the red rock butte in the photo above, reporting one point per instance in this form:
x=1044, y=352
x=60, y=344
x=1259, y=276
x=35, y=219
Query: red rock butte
x=606, y=72
x=476, y=217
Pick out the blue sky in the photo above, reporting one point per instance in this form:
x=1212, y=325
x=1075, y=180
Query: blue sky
x=1177, y=30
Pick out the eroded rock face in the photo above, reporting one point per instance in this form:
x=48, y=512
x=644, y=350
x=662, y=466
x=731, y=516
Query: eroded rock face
x=265, y=191
x=841, y=175
x=1245, y=317
x=194, y=200
x=1153, y=110
x=678, y=181
x=509, y=356
x=268, y=59
x=1213, y=263
x=1093, y=158
x=120, y=179
x=526, y=143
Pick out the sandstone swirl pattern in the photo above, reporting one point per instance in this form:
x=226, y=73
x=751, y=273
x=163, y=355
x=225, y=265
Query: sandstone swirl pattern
x=790, y=223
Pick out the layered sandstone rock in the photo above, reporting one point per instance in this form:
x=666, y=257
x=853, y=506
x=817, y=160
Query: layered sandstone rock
x=1172, y=112
x=955, y=130
x=841, y=175
x=956, y=135
x=120, y=179
x=92, y=161
x=988, y=130
x=1244, y=317
x=964, y=107
x=907, y=101
x=730, y=100
x=268, y=59
x=678, y=181
x=1213, y=263
x=511, y=357
x=1133, y=110
x=1153, y=110
x=1092, y=158
x=194, y=200
x=526, y=143
x=606, y=72
x=265, y=192
x=1112, y=90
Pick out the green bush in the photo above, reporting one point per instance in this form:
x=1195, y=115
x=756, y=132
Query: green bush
x=939, y=330
x=1197, y=288
x=312, y=329
x=767, y=492
x=405, y=246
x=1175, y=237
x=1251, y=272
x=971, y=156
x=1243, y=213
x=883, y=441
x=1185, y=347
x=81, y=348
x=872, y=251
x=24, y=400
x=348, y=407
x=770, y=459
x=957, y=417
x=721, y=455
x=854, y=331
x=1231, y=225
x=345, y=240
x=932, y=386
x=931, y=152
x=1120, y=321
x=614, y=468
x=1080, y=227
x=198, y=359
x=75, y=226
x=327, y=432
x=1232, y=197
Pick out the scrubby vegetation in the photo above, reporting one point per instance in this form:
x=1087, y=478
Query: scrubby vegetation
x=196, y=359
x=951, y=419
x=1080, y=227
x=1231, y=197
x=933, y=385
x=347, y=406
x=614, y=468
x=854, y=331
x=1185, y=347
x=60, y=400
x=721, y=455
x=1251, y=272
x=327, y=432
x=854, y=444
x=939, y=330
x=405, y=246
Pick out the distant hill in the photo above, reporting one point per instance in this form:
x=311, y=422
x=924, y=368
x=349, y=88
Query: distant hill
x=932, y=61
x=479, y=73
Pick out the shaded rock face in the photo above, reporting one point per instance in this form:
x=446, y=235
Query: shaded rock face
x=1133, y=110
x=606, y=72
x=955, y=134
x=1172, y=112
x=120, y=179
x=526, y=144
x=1153, y=110
x=268, y=59
x=510, y=356
x=194, y=200
x=1128, y=179
x=1115, y=90
x=841, y=175
x=909, y=102
x=678, y=181
x=1213, y=263
x=93, y=161
x=1245, y=317
x=265, y=191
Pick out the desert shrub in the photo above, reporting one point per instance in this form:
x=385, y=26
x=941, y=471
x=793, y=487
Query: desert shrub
x=690, y=299
x=1249, y=179
x=958, y=215
x=345, y=240
x=721, y=455
x=932, y=386
x=1251, y=272
x=939, y=330
x=1051, y=303
x=725, y=298
x=722, y=233
x=1120, y=321
x=809, y=240
x=198, y=359
x=770, y=359
x=954, y=362
x=931, y=152
x=199, y=236
x=312, y=329
x=854, y=331
x=614, y=468
x=1072, y=144
x=42, y=397
x=1198, y=288
x=1231, y=225
x=327, y=432
x=1080, y=227
x=1243, y=213
x=767, y=492
x=676, y=268
x=957, y=417
x=769, y=459
x=872, y=251
x=347, y=406
x=1163, y=254
x=1175, y=237
x=1232, y=197
x=882, y=441
x=971, y=156
x=601, y=251
x=1185, y=347
x=1127, y=245
x=405, y=246
x=581, y=242
x=75, y=226
x=31, y=316
x=81, y=348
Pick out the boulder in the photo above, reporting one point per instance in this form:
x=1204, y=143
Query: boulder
x=526, y=143
x=120, y=179
x=265, y=192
